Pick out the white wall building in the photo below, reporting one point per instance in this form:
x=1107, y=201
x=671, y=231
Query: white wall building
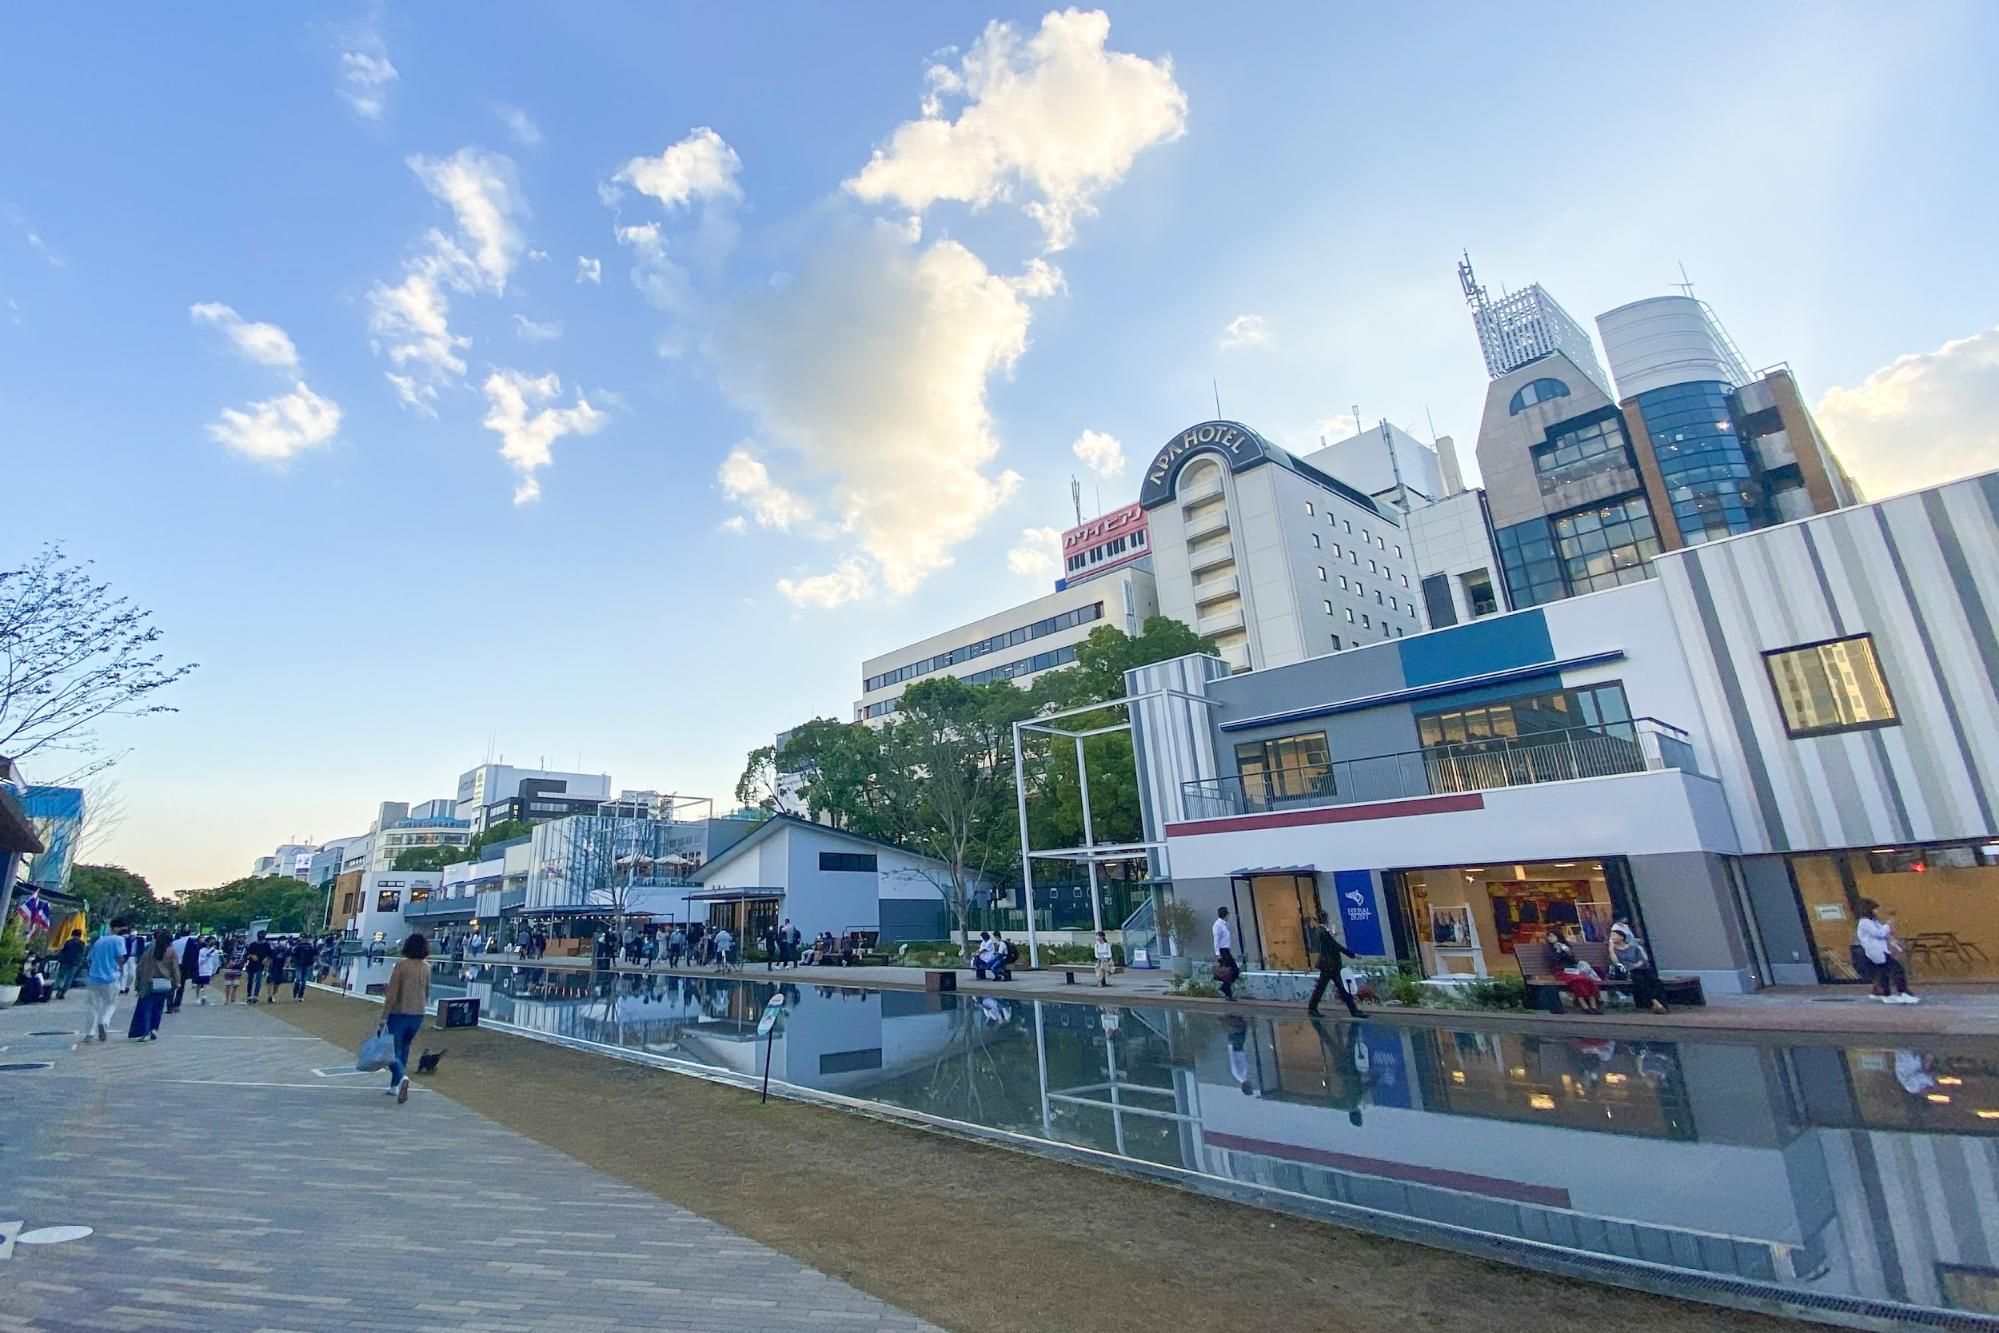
x=1456, y=561
x=481, y=786
x=1016, y=644
x=1269, y=556
x=384, y=897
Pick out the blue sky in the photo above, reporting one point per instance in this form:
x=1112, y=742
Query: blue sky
x=863, y=277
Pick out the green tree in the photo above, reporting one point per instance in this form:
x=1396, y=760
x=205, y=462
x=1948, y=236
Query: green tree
x=429, y=858
x=289, y=904
x=504, y=831
x=114, y=891
x=946, y=789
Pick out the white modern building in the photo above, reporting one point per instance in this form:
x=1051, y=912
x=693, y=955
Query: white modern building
x=823, y=879
x=1016, y=644
x=1272, y=558
x=1734, y=756
x=489, y=784
x=383, y=897
x=292, y=860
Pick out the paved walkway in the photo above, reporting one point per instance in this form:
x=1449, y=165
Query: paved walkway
x=1965, y=1010
x=238, y=1175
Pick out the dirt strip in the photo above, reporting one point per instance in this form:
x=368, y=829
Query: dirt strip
x=976, y=1236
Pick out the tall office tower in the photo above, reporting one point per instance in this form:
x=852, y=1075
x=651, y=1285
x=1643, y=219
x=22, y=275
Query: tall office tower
x=1526, y=326
x=1586, y=483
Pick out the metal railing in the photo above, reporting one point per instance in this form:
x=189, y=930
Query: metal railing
x=1562, y=755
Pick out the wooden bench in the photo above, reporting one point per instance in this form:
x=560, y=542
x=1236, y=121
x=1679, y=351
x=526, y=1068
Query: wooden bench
x=1545, y=990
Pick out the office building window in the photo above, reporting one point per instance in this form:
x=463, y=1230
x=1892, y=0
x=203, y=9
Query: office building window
x=1372, y=568
x=1479, y=592
x=1349, y=524
x=1393, y=605
x=1329, y=606
x=1607, y=545
x=1353, y=557
x=1405, y=580
x=1309, y=511
x=1830, y=687
x=1336, y=643
x=1349, y=615
x=862, y=862
x=1365, y=623
x=1315, y=541
x=1322, y=573
x=1380, y=545
x=1398, y=550
x=1288, y=766
x=1536, y=391
x=1437, y=599
x=1363, y=536
x=1580, y=450
x=1707, y=468
x=1596, y=707
x=1343, y=583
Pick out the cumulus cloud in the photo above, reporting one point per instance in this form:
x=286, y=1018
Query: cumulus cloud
x=266, y=344
x=1038, y=554
x=1102, y=454
x=276, y=428
x=701, y=166
x=527, y=435
x=589, y=270
x=1245, y=331
x=519, y=124
x=848, y=581
x=1921, y=419
x=365, y=76
x=867, y=374
x=411, y=320
x=747, y=481
x=1051, y=119
x=530, y=331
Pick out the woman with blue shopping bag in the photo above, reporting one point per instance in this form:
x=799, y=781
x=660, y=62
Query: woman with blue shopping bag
x=403, y=1003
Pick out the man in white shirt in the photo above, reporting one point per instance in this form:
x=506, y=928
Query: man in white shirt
x=1226, y=969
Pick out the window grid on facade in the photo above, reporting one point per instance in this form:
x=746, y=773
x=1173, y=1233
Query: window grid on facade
x=1706, y=467
x=1607, y=545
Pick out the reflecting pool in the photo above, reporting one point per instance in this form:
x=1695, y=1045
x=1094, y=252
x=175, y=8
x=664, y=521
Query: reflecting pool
x=1845, y=1172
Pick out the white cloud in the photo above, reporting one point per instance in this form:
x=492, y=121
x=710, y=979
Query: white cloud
x=266, y=344
x=1245, y=331
x=1039, y=554
x=701, y=166
x=736, y=525
x=663, y=282
x=529, y=331
x=519, y=124
x=589, y=270
x=1921, y=419
x=848, y=581
x=867, y=374
x=1102, y=454
x=365, y=76
x=277, y=428
x=526, y=436
x=417, y=396
x=1054, y=116
x=747, y=481
x=411, y=320
x=51, y=256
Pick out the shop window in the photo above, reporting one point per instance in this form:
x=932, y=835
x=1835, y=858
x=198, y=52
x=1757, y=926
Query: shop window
x=1288, y=767
x=1936, y=897
x=1830, y=687
x=389, y=900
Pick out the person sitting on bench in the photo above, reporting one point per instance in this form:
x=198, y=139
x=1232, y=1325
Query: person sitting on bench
x=985, y=960
x=1629, y=958
x=1578, y=977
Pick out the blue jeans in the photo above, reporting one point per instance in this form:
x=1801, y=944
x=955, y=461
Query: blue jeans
x=253, y=979
x=146, y=1014
x=403, y=1027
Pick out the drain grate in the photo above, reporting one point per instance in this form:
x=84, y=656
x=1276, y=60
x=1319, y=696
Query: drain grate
x=22, y=1066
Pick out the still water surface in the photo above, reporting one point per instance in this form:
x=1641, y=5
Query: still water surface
x=1855, y=1170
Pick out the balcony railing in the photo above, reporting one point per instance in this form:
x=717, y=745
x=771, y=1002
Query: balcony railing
x=1510, y=761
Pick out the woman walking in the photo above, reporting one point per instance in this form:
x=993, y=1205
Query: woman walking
x=206, y=964
x=154, y=979
x=1875, y=939
x=232, y=970
x=405, y=1000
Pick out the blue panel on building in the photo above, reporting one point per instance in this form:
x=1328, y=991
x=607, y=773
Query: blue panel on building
x=1499, y=644
x=1360, y=924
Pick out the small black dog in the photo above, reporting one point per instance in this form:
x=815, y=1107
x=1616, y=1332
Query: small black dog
x=427, y=1062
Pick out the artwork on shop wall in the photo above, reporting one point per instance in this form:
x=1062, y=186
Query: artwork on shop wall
x=1522, y=909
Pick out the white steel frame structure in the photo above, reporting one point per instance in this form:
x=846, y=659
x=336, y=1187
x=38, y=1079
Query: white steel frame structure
x=1091, y=852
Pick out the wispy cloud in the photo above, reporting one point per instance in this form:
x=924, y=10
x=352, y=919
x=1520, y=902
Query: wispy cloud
x=1245, y=331
x=519, y=124
x=1038, y=554
x=1102, y=454
x=51, y=256
x=363, y=71
x=266, y=344
x=272, y=429
x=530, y=331
x=589, y=270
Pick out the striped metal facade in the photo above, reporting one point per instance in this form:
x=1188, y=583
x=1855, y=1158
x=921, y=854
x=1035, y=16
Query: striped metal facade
x=1920, y=573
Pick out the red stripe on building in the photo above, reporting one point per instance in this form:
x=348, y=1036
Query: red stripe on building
x=1338, y=814
x=1551, y=1196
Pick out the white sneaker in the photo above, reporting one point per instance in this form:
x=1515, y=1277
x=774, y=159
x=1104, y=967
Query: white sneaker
x=1906, y=998
x=1886, y=999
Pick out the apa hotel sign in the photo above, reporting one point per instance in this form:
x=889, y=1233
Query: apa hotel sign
x=1234, y=441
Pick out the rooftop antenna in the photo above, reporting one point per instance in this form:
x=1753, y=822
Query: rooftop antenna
x=1216, y=384
x=1076, y=498
x=1685, y=284
x=1358, y=429
x=1433, y=423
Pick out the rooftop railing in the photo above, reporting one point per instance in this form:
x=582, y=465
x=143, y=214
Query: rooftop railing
x=1563, y=755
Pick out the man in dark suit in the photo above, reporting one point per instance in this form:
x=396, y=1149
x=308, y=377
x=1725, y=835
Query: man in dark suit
x=1328, y=952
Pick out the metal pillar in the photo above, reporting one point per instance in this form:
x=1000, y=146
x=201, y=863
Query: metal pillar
x=1026, y=861
x=1089, y=839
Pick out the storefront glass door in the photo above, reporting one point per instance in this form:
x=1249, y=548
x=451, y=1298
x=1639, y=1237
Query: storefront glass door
x=1942, y=900
x=1280, y=905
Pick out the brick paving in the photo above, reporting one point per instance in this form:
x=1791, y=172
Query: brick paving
x=232, y=1185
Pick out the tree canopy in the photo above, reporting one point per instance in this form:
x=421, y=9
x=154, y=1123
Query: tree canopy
x=289, y=904
x=114, y=891
x=429, y=858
